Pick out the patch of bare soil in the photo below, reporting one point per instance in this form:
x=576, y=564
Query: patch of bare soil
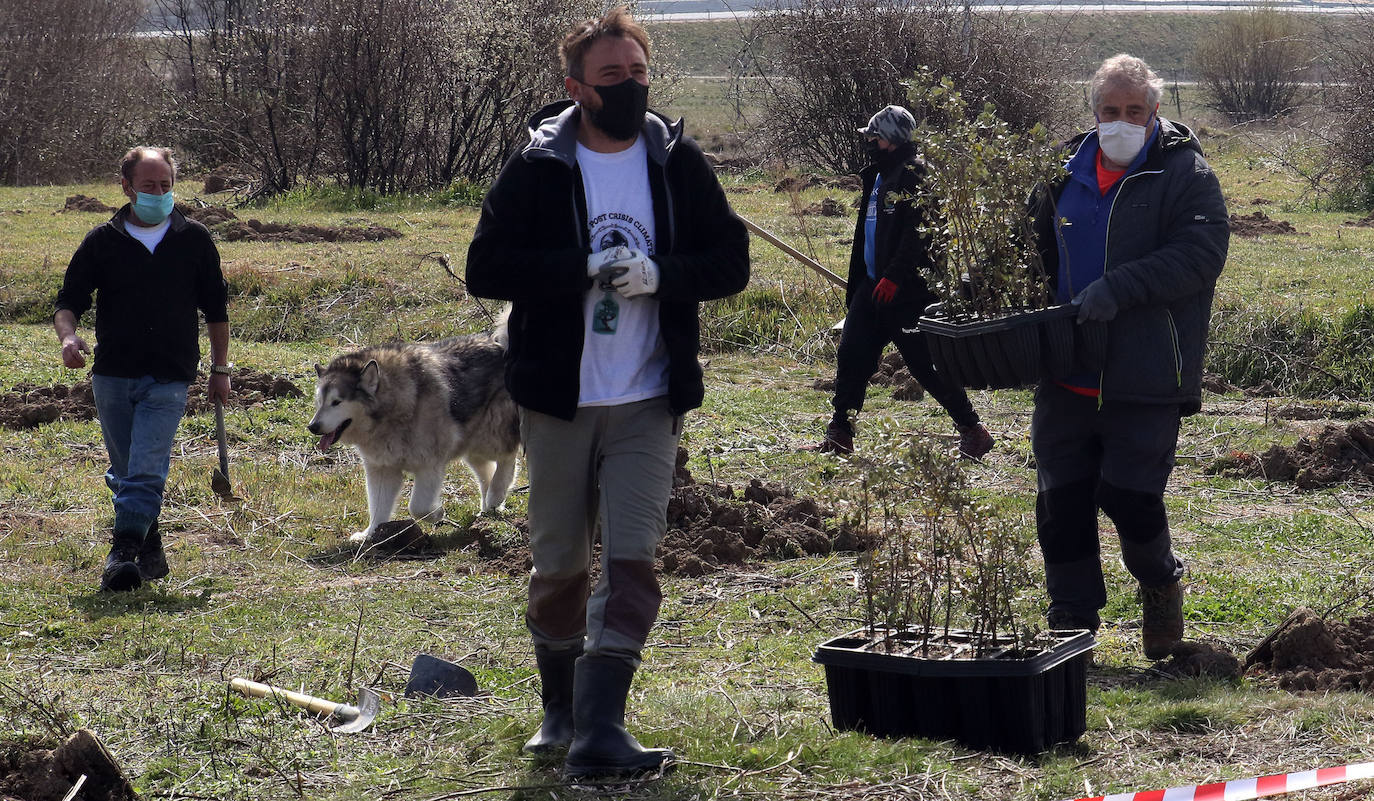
x=86, y=203
x=1309, y=653
x=1367, y=222
x=892, y=372
x=1331, y=456
x=228, y=227
x=30, y=405
x=1259, y=224
x=31, y=773
x=710, y=527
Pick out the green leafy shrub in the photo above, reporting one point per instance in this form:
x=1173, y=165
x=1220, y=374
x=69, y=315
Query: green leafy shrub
x=981, y=170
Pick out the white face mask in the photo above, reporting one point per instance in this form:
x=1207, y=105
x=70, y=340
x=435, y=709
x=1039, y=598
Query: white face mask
x=1120, y=140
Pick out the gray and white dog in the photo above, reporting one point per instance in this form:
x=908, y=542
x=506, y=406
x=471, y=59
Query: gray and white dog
x=414, y=408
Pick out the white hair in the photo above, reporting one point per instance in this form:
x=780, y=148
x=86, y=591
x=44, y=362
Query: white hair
x=1128, y=72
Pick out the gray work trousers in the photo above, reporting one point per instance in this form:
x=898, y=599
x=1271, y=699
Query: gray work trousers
x=1114, y=456
x=613, y=465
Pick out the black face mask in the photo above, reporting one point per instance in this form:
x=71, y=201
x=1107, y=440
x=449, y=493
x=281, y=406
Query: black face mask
x=874, y=150
x=623, y=106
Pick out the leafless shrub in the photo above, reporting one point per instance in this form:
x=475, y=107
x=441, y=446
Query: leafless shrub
x=1353, y=108
x=72, y=87
x=832, y=63
x=1253, y=65
x=385, y=96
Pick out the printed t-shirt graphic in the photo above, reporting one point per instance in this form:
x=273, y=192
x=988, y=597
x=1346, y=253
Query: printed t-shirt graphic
x=623, y=356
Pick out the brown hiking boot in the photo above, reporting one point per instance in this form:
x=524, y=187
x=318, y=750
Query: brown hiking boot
x=1161, y=612
x=839, y=438
x=974, y=441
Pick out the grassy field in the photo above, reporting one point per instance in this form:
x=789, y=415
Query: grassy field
x=264, y=587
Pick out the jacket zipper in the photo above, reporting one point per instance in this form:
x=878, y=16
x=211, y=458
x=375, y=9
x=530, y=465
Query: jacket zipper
x=1178, y=353
x=1106, y=251
x=672, y=215
x=579, y=230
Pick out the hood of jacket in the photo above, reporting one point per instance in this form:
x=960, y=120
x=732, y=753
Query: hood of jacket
x=553, y=133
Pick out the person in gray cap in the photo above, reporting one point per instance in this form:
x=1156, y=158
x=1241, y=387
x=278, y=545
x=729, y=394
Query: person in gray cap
x=887, y=291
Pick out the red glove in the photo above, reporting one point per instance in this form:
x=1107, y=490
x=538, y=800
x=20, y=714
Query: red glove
x=885, y=291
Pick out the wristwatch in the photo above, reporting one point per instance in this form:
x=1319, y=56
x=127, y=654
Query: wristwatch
x=223, y=369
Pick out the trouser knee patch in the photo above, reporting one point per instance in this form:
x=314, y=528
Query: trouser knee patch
x=1139, y=516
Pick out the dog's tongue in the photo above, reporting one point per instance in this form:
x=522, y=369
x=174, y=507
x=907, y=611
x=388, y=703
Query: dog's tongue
x=328, y=439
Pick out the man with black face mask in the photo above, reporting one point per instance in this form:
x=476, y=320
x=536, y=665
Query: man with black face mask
x=886, y=290
x=605, y=232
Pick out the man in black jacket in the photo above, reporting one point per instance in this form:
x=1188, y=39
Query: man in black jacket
x=1136, y=235
x=604, y=233
x=151, y=270
x=886, y=290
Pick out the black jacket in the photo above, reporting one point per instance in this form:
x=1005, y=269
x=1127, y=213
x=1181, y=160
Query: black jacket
x=1167, y=237
x=531, y=248
x=146, y=303
x=901, y=253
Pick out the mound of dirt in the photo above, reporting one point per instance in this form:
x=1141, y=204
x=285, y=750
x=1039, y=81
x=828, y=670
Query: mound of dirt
x=1259, y=224
x=223, y=177
x=208, y=216
x=1367, y=222
x=1331, y=456
x=256, y=231
x=1309, y=653
x=829, y=207
x=797, y=183
x=29, y=773
x=30, y=405
x=710, y=527
x=1191, y=659
x=228, y=227
x=892, y=372
x=86, y=203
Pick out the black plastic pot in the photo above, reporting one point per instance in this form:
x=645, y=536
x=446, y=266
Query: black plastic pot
x=1011, y=702
x=1015, y=349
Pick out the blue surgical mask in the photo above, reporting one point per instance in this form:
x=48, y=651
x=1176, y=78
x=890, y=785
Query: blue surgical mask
x=153, y=209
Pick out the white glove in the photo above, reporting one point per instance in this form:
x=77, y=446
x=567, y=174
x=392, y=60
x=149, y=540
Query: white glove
x=601, y=265
x=640, y=276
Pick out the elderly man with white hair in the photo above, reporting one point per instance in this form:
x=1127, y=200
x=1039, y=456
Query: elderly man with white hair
x=1136, y=235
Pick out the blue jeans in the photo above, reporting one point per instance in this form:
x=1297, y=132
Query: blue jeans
x=139, y=419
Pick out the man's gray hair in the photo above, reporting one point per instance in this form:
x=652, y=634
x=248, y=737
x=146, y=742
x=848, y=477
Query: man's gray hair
x=139, y=153
x=1126, y=71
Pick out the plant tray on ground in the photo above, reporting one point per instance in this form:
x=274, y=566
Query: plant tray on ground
x=1009, y=700
x=1013, y=349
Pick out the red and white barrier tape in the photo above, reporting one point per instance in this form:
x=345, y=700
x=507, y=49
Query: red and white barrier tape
x=1245, y=789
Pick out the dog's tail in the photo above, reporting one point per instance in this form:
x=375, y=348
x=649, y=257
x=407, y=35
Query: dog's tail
x=500, y=328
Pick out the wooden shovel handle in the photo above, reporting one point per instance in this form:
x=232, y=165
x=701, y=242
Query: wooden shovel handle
x=769, y=237
x=257, y=690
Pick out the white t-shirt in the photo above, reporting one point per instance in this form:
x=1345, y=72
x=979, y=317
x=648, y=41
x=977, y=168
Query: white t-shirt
x=623, y=356
x=151, y=236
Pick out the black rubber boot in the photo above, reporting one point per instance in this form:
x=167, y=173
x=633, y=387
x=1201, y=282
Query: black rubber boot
x=556, y=670
x=152, y=562
x=601, y=746
x=121, y=573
